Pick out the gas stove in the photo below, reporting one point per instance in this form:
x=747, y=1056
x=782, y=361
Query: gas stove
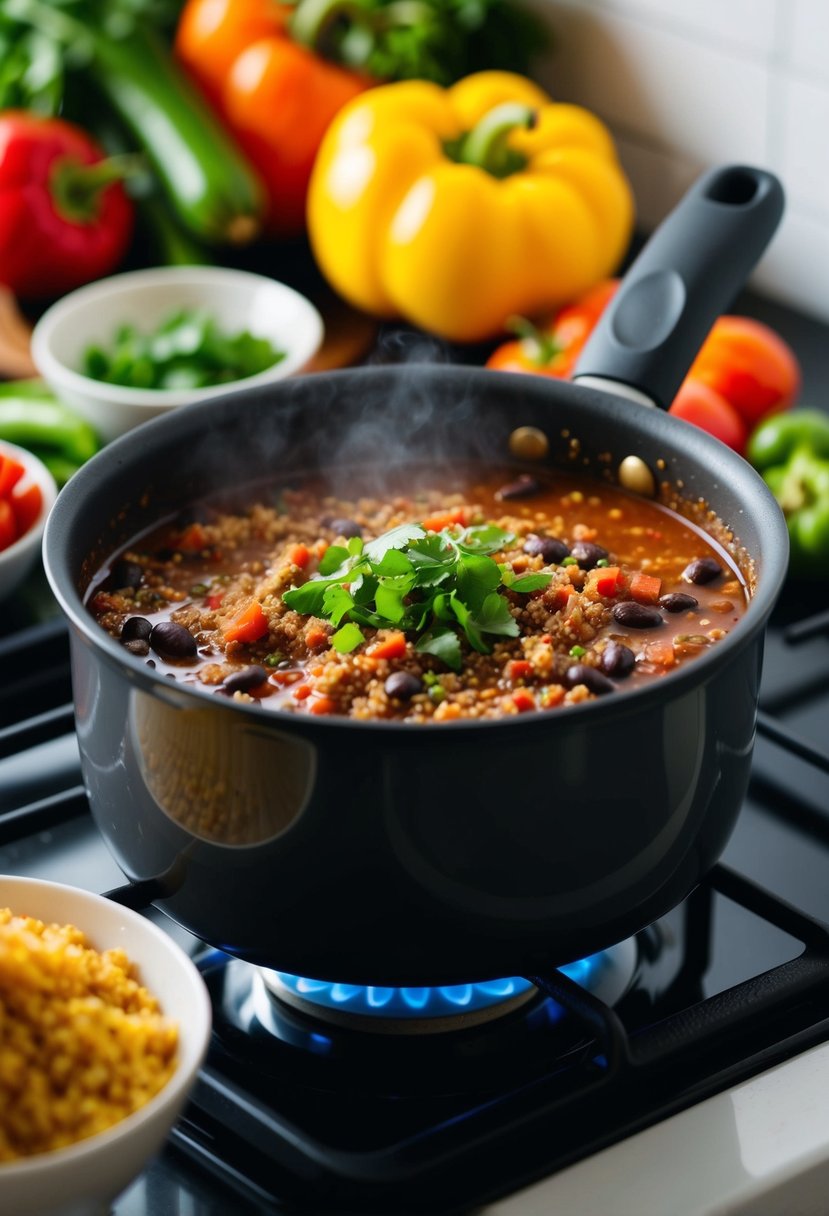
x=702, y=1043
x=682, y=1073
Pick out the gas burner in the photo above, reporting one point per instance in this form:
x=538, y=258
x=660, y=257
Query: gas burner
x=424, y=1010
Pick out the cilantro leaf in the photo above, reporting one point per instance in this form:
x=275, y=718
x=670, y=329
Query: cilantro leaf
x=444, y=644
x=530, y=582
x=396, y=538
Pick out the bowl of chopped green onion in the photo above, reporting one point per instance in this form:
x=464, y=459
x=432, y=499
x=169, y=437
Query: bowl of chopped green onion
x=126, y=348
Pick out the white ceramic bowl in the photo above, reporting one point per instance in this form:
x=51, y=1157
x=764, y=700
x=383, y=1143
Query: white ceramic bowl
x=84, y=1178
x=236, y=299
x=18, y=559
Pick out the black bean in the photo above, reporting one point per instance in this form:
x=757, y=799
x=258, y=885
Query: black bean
x=172, y=641
x=139, y=646
x=702, y=570
x=135, y=628
x=125, y=574
x=617, y=660
x=637, y=616
x=550, y=548
x=588, y=555
x=403, y=686
x=246, y=678
x=524, y=486
x=345, y=527
x=677, y=601
x=590, y=677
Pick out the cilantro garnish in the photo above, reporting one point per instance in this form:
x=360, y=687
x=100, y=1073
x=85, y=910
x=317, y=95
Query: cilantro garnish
x=438, y=586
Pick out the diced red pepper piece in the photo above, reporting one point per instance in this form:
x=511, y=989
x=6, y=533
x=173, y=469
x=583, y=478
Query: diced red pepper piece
x=11, y=471
x=523, y=700
x=445, y=519
x=299, y=555
x=248, y=626
x=518, y=669
x=214, y=600
x=315, y=636
x=8, y=527
x=301, y=692
x=392, y=646
x=322, y=705
x=607, y=580
x=26, y=506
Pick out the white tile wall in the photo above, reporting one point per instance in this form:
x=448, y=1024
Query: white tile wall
x=687, y=84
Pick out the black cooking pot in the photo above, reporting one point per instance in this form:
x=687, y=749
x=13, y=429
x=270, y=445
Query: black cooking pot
x=387, y=853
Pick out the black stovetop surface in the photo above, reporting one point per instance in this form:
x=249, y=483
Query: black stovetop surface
x=304, y=1117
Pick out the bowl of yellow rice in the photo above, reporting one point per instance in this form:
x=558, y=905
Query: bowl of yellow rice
x=104, y=1022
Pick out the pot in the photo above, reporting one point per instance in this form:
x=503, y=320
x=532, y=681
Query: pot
x=386, y=853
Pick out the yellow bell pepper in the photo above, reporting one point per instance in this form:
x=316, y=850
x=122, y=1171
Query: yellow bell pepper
x=457, y=208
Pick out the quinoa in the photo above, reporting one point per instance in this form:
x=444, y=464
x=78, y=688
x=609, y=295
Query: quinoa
x=82, y=1043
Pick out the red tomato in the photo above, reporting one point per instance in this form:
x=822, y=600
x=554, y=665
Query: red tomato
x=704, y=407
x=554, y=349
x=750, y=365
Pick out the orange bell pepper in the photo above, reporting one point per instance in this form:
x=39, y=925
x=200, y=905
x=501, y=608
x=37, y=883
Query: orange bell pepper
x=276, y=96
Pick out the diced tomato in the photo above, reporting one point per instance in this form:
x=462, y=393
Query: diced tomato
x=645, y=588
x=249, y=626
x=445, y=519
x=214, y=600
x=301, y=692
x=607, y=580
x=315, y=636
x=518, y=669
x=8, y=527
x=523, y=700
x=322, y=705
x=299, y=555
x=392, y=646
x=11, y=471
x=26, y=506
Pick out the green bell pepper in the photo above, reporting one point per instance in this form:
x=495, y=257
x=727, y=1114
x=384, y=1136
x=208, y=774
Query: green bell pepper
x=791, y=452
x=33, y=418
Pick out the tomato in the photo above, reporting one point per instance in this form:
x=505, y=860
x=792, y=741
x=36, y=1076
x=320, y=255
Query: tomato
x=554, y=350
x=706, y=408
x=749, y=365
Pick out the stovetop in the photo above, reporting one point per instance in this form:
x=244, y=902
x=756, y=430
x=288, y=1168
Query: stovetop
x=294, y=1114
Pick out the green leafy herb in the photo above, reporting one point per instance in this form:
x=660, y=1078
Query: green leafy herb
x=438, y=586
x=439, y=40
x=188, y=350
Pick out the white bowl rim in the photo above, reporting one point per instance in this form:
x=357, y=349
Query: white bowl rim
x=198, y=1036
x=38, y=474
x=49, y=366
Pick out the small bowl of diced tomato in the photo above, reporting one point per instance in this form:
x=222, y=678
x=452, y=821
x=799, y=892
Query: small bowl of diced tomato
x=27, y=493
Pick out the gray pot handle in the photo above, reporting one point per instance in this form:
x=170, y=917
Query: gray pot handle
x=686, y=275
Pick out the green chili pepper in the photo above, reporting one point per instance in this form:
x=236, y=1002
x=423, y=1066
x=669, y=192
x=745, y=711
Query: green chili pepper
x=791, y=451
x=33, y=418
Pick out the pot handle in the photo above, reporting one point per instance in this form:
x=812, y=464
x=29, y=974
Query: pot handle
x=685, y=276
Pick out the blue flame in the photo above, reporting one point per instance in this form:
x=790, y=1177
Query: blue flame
x=424, y=1002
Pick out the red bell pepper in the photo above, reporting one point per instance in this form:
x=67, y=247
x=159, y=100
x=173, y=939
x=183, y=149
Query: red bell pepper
x=64, y=216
